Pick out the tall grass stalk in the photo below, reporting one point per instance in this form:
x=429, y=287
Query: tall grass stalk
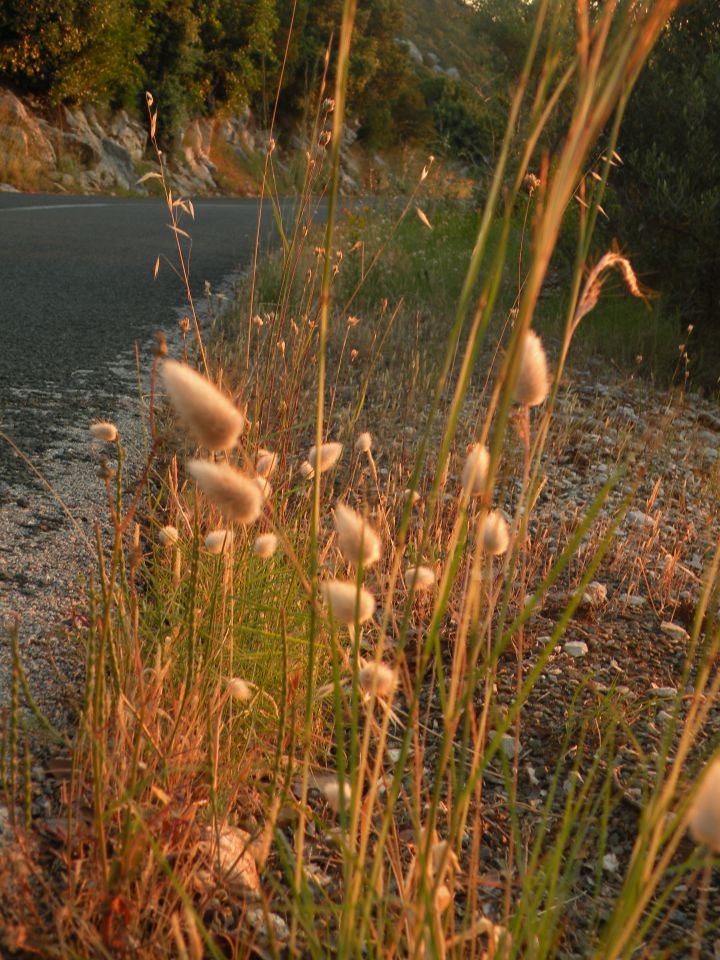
x=258, y=770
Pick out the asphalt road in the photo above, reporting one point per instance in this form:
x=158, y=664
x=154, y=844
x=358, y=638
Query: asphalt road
x=76, y=294
x=77, y=291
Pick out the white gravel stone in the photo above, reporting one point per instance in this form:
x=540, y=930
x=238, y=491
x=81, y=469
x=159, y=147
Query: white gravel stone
x=576, y=648
x=674, y=630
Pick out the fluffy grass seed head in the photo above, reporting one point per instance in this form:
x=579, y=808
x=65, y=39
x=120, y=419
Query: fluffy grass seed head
x=236, y=496
x=342, y=599
x=306, y=470
x=265, y=545
x=332, y=790
x=358, y=542
x=378, y=678
x=104, y=430
x=239, y=690
x=495, y=534
x=219, y=541
x=363, y=444
x=475, y=470
x=212, y=419
x=533, y=380
x=168, y=536
x=419, y=578
x=704, y=821
x=266, y=463
x=329, y=456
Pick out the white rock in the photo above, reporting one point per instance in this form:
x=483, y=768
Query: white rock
x=639, y=519
x=610, y=863
x=664, y=693
x=636, y=602
x=576, y=648
x=674, y=630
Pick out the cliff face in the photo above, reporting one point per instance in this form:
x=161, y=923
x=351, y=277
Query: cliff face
x=86, y=150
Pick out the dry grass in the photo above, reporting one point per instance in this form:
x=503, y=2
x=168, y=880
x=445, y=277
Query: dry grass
x=254, y=774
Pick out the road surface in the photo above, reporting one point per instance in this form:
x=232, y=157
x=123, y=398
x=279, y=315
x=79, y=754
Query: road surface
x=76, y=293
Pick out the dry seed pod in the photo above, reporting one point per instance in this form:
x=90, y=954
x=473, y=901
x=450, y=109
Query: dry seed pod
x=358, y=542
x=212, y=419
x=104, y=430
x=704, y=821
x=265, y=545
x=219, y=541
x=329, y=456
x=342, y=598
x=533, y=381
x=495, y=533
x=378, y=677
x=419, y=578
x=168, y=536
x=236, y=496
x=475, y=470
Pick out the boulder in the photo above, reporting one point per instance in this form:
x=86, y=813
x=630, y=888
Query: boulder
x=21, y=135
x=129, y=134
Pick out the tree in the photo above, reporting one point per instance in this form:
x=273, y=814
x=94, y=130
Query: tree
x=668, y=187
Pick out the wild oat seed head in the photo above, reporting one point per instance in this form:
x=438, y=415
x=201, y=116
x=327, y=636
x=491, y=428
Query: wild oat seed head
x=331, y=792
x=495, y=533
x=266, y=463
x=104, y=430
x=704, y=820
x=363, y=443
x=378, y=677
x=265, y=545
x=219, y=541
x=342, y=598
x=329, y=456
x=533, y=380
x=419, y=578
x=236, y=496
x=168, y=536
x=358, y=542
x=212, y=419
x=239, y=690
x=475, y=470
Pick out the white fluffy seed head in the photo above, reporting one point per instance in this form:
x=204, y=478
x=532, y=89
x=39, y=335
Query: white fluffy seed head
x=475, y=470
x=329, y=456
x=219, y=541
x=331, y=791
x=212, y=419
x=306, y=470
x=168, y=536
x=419, y=578
x=104, y=430
x=495, y=533
x=412, y=495
x=378, y=678
x=358, y=542
x=704, y=822
x=343, y=599
x=239, y=690
x=363, y=443
x=266, y=463
x=265, y=545
x=236, y=496
x=533, y=381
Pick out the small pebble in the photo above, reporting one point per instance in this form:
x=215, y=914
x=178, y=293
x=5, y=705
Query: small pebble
x=665, y=693
x=674, y=630
x=576, y=648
